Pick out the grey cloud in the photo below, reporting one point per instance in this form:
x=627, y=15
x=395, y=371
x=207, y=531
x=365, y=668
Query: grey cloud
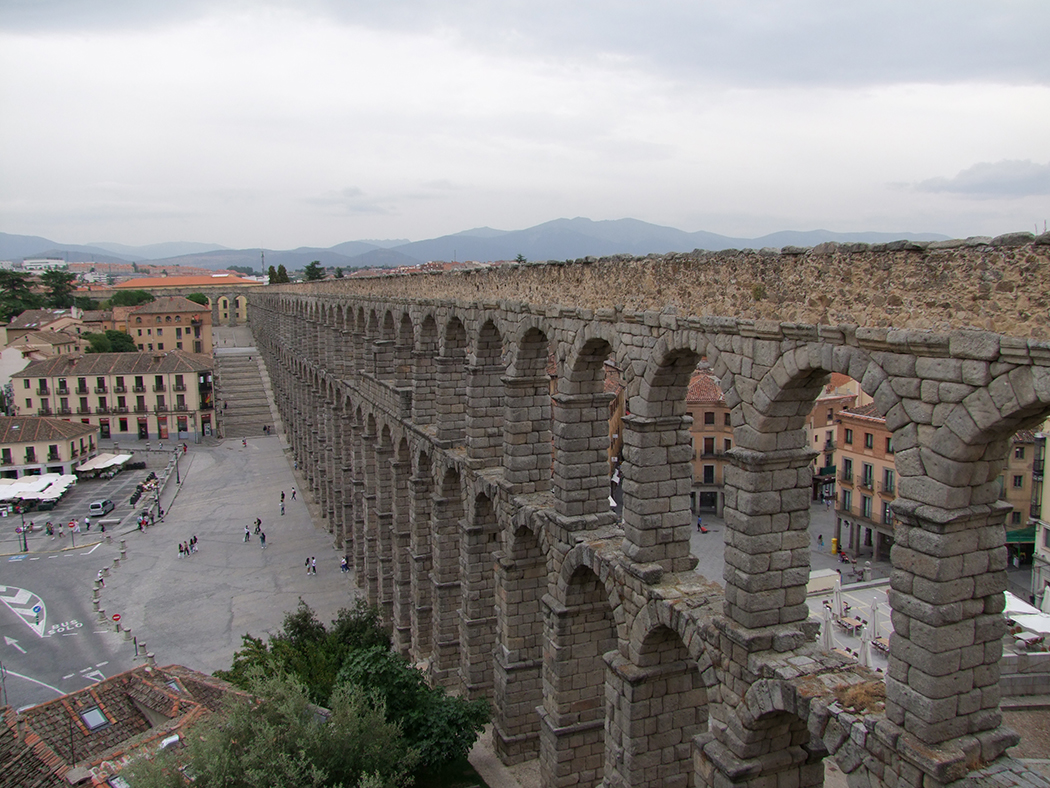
x=350, y=200
x=763, y=42
x=995, y=179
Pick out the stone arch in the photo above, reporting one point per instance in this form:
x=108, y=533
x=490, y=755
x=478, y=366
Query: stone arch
x=580, y=631
x=424, y=383
x=527, y=451
x=485, y=397
x=451, y=383
x=479, y=541
x=419, y=516
x=446, y=593
x=405, y=344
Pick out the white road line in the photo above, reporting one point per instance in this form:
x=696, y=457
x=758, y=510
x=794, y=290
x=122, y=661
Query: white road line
x=93, y=549
x=37, y=681
x=67, y=677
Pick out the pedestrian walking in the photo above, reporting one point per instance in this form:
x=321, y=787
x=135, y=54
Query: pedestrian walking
x=186, y=548
x=820, y=540
x=282, y=508
x=262, y=538
x=343, y=566
x=258, y=525
x=87, y=523
x=101, y=579
x=293, y=493
x=282, y=496
x=181, y=553
x=699, y=523
x=244, y=442
x=307, y=566
x=247, y=534
x=313, y=565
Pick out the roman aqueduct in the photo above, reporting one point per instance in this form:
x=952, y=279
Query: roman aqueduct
x=472, y=497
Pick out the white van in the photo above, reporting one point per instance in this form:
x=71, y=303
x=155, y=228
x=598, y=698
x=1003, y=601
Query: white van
x=100, y=508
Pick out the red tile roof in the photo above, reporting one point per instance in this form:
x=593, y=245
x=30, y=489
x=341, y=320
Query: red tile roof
x=37, y=429
x=145, y=283
x=704, y=388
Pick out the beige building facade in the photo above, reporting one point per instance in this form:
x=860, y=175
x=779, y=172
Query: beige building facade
x=31, y=445
x=139, y=396
x=168, y=323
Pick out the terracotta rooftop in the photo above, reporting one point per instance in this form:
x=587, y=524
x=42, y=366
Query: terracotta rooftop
x=145, y=283
x=164, y=304
x=86, y=364
x=49, y=337
x=704, y=388
x=868, y=411
x=87, y=736
x=37, y=429
x=38, y=318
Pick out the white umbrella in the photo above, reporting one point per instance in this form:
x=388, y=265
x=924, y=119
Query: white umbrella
x=875, y=634
x=864, y=658
x=836, y=597
x=1045, y=607
x=826, y=642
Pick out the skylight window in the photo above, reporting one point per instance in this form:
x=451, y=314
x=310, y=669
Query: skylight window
x=94, y=718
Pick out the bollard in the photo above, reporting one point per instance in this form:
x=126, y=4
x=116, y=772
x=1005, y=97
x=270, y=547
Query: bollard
x=109, y=539
x=102, y=616
x=150, y=660
x=116, y=562
x=97, y=592
x=95, y=603
x=127, y=634
x=105, y=572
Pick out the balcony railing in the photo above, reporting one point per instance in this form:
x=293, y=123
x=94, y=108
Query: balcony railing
x=159, y=389
x=866, y=483
x=180, y=406
x=139, y=389
x=161, y=408
x=65, y=411
x=30, y=459
x=45, y=411
x=102, y=409
x=82, y=390
x=53, y=457
x=63, y=391
x=829, y=445
x=141, y=409
x=179, y=387
x=846, y=476
x=74, y=453
x=83, y=410
x=43, y=392
x=120, y=409
x=120, y=389
x=101, y=390
x=7, y=461
x=888, y=489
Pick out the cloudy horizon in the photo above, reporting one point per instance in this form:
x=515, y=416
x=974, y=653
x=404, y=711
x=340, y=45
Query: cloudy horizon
x=277, y=124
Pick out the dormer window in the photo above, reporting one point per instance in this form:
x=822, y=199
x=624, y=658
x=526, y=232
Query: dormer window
x=94, y=718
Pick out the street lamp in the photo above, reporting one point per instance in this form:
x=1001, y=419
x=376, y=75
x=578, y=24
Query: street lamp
x=178, y=451
x=25, y=542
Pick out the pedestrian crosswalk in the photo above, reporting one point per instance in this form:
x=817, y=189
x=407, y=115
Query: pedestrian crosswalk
x=27, y=606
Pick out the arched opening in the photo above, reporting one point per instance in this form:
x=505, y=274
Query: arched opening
x=527, y=450
x=479, y=541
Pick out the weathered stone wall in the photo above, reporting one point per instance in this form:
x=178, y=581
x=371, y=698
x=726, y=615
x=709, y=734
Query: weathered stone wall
x=1000, y=284
x=473, y=507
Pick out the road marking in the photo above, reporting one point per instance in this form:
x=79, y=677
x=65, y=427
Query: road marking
x=17, y=558
x=37, y=681
x=95, y=675
x=35, y=558
x=21, y=602
x=102, y=664
x=67, y=634
x=13, y=642
x=68, y=676
x=93, y=549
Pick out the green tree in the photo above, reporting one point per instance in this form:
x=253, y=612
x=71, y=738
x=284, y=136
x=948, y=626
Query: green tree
x=130, y=298
x=271, y=274
x=338, y=273
x=314, y=272
x=247, y=270
x=16, y=294
x=279, y=738
x=198, y=298
x=112, y=341
x=83, y=302
x=60, y=285
x=441, y=727
x=282, y=274
x=521, y=259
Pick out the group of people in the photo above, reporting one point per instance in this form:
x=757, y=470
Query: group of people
x=185, y=548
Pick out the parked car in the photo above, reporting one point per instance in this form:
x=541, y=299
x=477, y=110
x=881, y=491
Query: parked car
x=101, y=508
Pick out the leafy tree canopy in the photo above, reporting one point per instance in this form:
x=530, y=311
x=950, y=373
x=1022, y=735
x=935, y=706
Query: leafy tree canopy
x=338, y=273
x=282, y=275
x=16, y=294
x=281, y=739
x=198, y=298
x=130, y=298
x=60, y=286
x=521, y=259
x=356, y=650
x=83, y=302
x=314, y=271
x=247, y=270
x=112, y=341
x=271, y=274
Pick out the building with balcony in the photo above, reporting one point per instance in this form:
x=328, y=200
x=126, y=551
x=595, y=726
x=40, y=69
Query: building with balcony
x=168, y=323
x=840, y=393
x=712, y=433
x=127, y=395
x=31, y=445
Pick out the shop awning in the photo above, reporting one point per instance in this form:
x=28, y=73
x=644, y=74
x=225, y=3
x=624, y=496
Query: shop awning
x=103, y=461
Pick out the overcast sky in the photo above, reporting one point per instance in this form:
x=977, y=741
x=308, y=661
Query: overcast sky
x=311, y=122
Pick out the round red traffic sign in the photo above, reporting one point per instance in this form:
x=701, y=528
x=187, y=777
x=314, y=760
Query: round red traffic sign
x=116, y=616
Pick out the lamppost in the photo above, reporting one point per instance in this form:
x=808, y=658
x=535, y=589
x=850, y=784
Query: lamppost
x=25, y=542
x=178, y=451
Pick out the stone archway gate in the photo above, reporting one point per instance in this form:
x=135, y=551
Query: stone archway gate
x=472, y=500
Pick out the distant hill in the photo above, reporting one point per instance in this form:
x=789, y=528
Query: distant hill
x=559, y=239
x=160, y=251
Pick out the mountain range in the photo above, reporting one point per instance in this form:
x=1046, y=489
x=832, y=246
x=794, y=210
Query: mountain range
x=559, y=239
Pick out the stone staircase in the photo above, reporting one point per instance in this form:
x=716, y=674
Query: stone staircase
x=239, y=384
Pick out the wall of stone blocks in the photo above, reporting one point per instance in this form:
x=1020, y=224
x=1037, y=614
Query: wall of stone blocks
x=440, y=455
